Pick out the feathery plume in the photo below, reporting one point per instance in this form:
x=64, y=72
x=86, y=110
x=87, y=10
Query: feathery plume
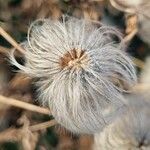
x=131, y=131
x=78, y=64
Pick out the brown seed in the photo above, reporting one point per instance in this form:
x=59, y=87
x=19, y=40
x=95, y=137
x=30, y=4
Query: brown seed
x=71, y=57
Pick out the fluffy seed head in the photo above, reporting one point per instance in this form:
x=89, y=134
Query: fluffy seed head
x=81, y=70
x=129, y=132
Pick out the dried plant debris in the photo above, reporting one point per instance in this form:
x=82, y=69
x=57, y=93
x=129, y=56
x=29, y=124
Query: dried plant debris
x=89, y=10
x=131, y=23
x=17, y=17
x=23, y=135
x=41, y=9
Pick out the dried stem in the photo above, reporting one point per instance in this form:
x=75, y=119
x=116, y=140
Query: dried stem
x=43, y=125
x=138, y=63
x=11, y=40
x=128, y=37
x=141, y=87
x=23, y=105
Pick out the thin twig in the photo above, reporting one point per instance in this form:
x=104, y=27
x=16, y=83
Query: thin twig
x=43, y=125
x=139, y=63
x=128, y=37
x=23, y=105
x=141, y=87
x=11, y=40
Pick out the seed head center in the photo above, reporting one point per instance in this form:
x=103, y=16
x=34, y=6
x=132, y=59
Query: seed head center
x=75, y=62
x=74, y=58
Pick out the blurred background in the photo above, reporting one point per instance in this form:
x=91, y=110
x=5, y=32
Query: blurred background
x=132, y=18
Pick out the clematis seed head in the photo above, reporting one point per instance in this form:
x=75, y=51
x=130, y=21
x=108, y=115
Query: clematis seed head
x=81, y=70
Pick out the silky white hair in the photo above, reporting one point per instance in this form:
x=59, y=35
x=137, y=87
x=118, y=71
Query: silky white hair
x=131, y=131
x=77, y=62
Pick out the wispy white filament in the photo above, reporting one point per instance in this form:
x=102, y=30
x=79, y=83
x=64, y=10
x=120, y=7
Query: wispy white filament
x=129, y=132
x=78, y=64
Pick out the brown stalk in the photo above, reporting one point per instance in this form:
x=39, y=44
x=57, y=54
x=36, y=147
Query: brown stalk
x=139, y=63
x=130, y=36
x=42, y=125
x=23, y=105
x=11, y=40
x=141, y=87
